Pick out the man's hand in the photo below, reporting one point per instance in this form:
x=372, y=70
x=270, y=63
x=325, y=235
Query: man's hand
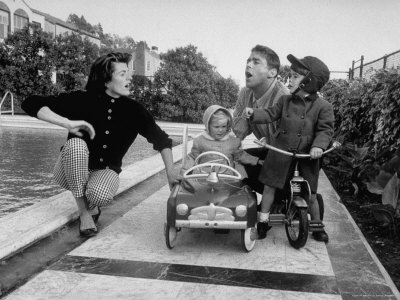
x=75, y=127
x=316, y=152
x=248, y=112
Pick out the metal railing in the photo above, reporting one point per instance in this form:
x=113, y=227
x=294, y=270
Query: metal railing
x=12, y=103
x=387, y=61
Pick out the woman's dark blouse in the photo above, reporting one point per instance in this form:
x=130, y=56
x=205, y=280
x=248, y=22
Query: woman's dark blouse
x=116, y=122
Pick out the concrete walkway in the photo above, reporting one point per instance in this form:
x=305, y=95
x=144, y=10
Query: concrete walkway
x=129, y=259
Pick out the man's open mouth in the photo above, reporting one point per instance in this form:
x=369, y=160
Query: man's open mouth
x=248, y=75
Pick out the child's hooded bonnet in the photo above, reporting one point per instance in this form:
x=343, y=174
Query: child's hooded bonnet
x=213, y=109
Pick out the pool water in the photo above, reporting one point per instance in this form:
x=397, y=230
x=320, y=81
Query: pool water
x=27, y=158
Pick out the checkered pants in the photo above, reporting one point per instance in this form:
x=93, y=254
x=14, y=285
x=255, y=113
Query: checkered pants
x=72, y=173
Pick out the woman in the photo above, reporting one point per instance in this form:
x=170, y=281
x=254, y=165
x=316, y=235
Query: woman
x=102, y=123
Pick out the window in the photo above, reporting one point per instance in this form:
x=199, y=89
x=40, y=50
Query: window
x=3, y=24
x=148, y=66
x=36, y=24
x=20, y=22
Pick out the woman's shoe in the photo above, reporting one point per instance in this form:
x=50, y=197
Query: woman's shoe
x=86, y=232
x=97, y=216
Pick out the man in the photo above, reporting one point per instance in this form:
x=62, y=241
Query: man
x=262, y=90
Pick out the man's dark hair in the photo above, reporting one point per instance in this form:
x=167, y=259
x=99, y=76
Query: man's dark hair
x=270, y=55
x=102, y=69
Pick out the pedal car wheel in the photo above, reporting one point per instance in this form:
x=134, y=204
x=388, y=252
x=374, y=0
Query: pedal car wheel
x=296, y=226
x=170, y=234
x=248, y=238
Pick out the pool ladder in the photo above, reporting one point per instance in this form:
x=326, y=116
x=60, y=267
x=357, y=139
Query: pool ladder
x=12, y=103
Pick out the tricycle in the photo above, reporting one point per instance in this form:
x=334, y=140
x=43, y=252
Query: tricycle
x=290, y=205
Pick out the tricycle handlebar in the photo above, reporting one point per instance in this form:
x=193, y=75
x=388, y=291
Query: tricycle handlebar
x=335, y=145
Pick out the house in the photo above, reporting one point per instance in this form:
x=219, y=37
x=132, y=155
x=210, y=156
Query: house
x=16, y=14
x=146, y=62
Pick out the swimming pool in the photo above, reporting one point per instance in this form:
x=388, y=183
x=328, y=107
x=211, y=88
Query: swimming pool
x=27, y=158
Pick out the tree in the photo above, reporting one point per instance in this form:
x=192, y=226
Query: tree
x=142, y=90
x=108, y=42
x=99, y=30
x=26, y=63
x=81, y=23
x=187, y=84
x=73, y=57
x=284, y=74
x=30, y=57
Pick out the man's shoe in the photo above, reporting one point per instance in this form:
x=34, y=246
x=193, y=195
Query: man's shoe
x=262, y=229
x=320, y=236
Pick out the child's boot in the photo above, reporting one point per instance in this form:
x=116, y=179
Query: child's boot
x=262, y=225
x=320, y=236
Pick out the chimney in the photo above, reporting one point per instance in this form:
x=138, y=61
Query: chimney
x=154, y=49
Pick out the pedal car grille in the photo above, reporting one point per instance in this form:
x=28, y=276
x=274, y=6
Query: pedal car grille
x=211, y=213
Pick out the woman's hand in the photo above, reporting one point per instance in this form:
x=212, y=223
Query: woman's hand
x=173, y=177
x=316, y=152
x=248, y=112
x=75, y=127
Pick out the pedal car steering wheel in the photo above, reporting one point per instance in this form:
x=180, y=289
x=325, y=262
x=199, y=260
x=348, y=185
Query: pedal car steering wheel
x=211, y=166
x=221, y=159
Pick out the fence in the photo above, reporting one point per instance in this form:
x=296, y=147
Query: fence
x=364, y=70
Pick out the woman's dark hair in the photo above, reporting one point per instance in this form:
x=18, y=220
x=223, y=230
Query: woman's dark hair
x=102, y=69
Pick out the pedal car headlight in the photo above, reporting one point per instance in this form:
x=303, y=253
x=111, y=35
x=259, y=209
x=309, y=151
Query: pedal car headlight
x=182, y=209
x=241, y=210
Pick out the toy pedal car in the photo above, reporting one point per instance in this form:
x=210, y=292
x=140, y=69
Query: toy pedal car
x=212, y=195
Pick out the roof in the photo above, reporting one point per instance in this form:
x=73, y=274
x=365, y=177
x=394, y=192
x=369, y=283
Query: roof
x=58, y=21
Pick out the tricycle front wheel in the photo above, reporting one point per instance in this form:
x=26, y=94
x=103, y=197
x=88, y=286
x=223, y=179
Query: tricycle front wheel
x=170, y=234
x=296, y=226
x=248, y=238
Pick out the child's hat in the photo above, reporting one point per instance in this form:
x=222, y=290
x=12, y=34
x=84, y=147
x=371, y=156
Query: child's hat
x=212, y=110
x=319, y=71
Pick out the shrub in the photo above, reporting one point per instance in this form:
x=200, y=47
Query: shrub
x=367, y=111
x=367, y=123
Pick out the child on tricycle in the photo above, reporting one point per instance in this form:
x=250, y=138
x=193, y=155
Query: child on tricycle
x=306, y=126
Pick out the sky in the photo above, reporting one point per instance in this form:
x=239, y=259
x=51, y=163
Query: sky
x=225, y=31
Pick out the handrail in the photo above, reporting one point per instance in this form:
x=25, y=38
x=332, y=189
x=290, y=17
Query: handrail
x=12, y=103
